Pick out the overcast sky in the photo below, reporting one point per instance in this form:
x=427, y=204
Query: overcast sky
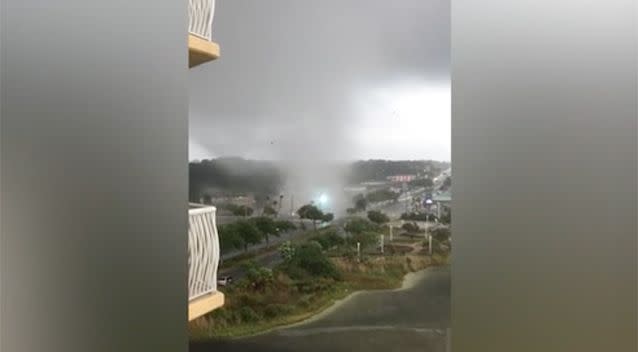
x=328, y=79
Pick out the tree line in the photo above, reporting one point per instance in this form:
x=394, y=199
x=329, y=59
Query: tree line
x=247, y=232
x=236, y=176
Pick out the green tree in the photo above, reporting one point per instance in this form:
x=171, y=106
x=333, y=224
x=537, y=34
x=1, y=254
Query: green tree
x=440, y=233
x=269, y=211
x=284, y=225
x=329, y=239
x=249, y=233
x=281, y=200
x=328, y=217
x=366, y=239
x=359, y=225
x=312, y=260
x=243, y=210
x=377, y=217
x=229, y=237
x=311, y=212
x=411, y=228
x=266, y=227
x=447, y=183
x=360, y=203
x=415, y=216
x=259, y=277
x=446, y=218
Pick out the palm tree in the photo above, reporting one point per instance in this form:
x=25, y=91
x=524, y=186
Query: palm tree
x=281, y=200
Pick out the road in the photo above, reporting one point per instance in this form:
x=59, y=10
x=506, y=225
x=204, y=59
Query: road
x=411, y=320
x=268, y=260
x=274, y=241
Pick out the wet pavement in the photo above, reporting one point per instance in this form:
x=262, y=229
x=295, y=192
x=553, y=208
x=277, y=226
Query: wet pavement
x=414, y=318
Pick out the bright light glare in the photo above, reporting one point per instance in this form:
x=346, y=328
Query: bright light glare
x=323, y=199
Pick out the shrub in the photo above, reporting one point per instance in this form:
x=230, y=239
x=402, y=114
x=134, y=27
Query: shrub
x=329, y=240
x=242, y=210
x=312, y=260
x=258, y=277
x=411, y=228
x=377, y=217
x=366, y=239
x=418, y=217
x=293, y=271
x=305, y=301
x=287, y=251
x=314, y=285
x=285, y=225
x=248, y=315
x=248, y=300
x=440, y=233
x=447, y=217
x=360, y=225
x=275, y=310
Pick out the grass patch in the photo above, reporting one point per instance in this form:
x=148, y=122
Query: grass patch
x=285, y=301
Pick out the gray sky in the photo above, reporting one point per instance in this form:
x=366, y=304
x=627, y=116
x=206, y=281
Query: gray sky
x=329, y=79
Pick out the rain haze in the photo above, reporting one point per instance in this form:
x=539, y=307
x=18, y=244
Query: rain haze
x=309, y=82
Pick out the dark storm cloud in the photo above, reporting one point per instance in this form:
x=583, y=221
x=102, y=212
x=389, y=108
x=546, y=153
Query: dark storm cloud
x=295, y=80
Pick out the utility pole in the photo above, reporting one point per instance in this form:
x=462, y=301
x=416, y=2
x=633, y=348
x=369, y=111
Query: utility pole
x=430, y=244
x=381, y=241
x=391, y=237
x=358, y=251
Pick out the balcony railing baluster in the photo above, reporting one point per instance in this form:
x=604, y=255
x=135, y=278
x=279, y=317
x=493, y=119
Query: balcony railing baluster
x=200, y=18
x=203, y=251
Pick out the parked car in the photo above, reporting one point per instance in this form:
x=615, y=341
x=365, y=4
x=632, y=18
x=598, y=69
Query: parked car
x=224, y=280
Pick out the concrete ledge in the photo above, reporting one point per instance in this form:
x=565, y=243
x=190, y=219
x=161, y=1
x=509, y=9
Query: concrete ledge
x=201, y=51
x=204, y=305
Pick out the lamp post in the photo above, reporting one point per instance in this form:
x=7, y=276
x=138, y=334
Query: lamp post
x=391, y=235
x=430, y=244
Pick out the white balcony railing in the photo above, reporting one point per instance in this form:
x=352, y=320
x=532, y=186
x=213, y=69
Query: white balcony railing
x=203, y=251
x=200, y=18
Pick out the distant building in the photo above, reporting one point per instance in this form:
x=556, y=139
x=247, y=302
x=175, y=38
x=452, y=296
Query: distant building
x=354, y=189
x=373, y=183
x=401, y=178
x=248, y=201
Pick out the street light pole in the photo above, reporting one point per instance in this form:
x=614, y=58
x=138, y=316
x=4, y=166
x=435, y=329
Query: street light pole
x=430, y=244
x=391, y=235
